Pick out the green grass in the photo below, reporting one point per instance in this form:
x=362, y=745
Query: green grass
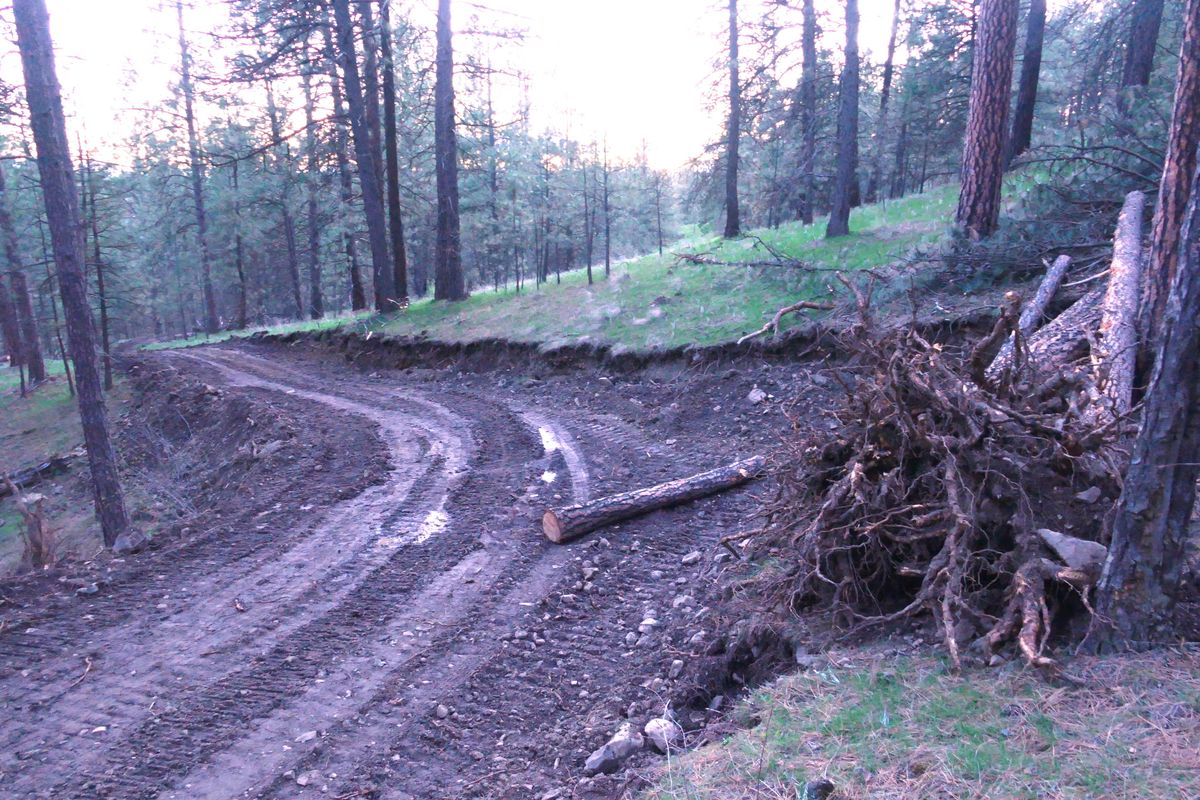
x=287, y=327
x=661, y=302
x=908, y=727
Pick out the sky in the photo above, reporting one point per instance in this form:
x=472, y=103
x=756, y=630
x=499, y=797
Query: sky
x=625, y=71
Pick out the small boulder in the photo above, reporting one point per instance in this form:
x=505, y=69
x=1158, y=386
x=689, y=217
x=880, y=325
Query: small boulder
x=676, y=669
x=609, y=758
x=692, y=558
x=756, y=396
x=1089, y=496
x=1076, y=553
x=663, y=734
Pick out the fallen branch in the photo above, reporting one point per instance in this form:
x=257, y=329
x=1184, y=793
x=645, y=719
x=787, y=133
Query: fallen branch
x=1117, y=347
x=773, y=325
x=1032, y=313
x=564, y=524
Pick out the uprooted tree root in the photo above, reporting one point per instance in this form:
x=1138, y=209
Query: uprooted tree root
x=928, y=495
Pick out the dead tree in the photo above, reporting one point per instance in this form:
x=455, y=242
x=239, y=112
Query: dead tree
x=1116, y=354
x=982, y=170
x=62, y=212
x=847, y=131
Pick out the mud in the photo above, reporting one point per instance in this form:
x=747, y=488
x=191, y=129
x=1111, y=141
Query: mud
x=350, y=595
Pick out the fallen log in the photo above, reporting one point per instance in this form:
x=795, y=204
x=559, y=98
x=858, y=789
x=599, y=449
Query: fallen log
x=1031, y=314
x=1118, y=334
x=29, y=476
x=564, y=524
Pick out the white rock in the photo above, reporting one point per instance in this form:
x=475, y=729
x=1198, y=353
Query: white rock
x=1076, y=553
x=756, y=396
x=676, y=669
x=663, y=734
x=692, y=558
x=624, y=743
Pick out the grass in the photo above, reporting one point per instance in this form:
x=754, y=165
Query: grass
x=286, y=327
x=908, y=727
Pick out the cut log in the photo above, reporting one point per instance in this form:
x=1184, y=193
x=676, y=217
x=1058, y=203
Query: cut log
x=1064, y=339
x=564, y=524
x=29, y=476
x=1031, y=314
x=1118, y=317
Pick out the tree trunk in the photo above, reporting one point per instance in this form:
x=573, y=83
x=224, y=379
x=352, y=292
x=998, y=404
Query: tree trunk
x=9, y=326
x=808, y=116
x=1031, y=65
x=395, y=222
x=62, y=350
x=607, y=219
x=358, y=294
x=1143, y=575
x=62, y=212
x=101, y=292
x=847, y=131
x=1175, y=186
x=31, y=353
x=658, y=211
x=588, y=233
x=239, y=252
x=1117, y=344
x=284, y=203
x=983, y=154
x=212, y=320
x=564, y=524
x=316, y=303
x=367, y=176
x=448, y=277
x=881, y=125
x=733, y=132
x=1143, y=40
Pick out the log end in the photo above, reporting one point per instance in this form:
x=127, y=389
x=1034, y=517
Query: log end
x=551, y=527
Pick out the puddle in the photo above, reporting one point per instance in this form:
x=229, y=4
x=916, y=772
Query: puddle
x=549, y=440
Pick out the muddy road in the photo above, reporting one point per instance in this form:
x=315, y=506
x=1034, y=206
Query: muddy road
x=418, y=639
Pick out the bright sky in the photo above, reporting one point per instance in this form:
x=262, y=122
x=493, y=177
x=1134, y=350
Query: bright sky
x=628, y=70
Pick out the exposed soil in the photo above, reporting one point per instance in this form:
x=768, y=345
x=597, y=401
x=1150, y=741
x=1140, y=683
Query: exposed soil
x=350, y=594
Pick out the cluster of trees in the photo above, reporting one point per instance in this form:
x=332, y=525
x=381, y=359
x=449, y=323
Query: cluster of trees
x=815, y=126
x=321, y=156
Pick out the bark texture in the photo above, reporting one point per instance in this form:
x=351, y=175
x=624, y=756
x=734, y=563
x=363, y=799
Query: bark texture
x=449, y=283
x=1175, y=186
x=983, y=154
x=847, y=131
x=1142, y=577
x=733, y=131
x=1117, y=344
x=62, y=212
x=1027, y=87
x=564, y=524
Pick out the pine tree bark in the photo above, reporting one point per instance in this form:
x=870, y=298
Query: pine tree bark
x=1175, y=185
x=881, y=125
x=733, y=131
x=370, y=76
x=316, y=302
x=1143, y=40
x=1142, y=577
x=358, y=294
x=367, y=176
x=847, y=131
x=212, y=320
x=392, y=157
x=449, y=283
x=983, y=154
x=808, y=115
x=1027, y=87
x=62, y=211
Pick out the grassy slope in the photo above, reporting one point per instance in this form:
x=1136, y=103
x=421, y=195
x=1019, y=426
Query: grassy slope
x=656, y=301
x=905, y=727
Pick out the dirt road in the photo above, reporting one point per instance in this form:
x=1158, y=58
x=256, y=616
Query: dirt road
x=417, y=640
